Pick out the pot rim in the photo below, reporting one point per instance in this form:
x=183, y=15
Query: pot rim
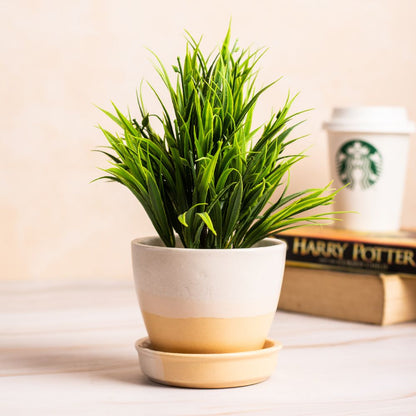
x=271, y=244
x=270, y=345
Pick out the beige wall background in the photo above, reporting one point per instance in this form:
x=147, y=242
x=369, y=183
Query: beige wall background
x=58, y=58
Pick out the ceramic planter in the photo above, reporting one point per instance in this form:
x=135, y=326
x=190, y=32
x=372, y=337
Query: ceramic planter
x=208, y=300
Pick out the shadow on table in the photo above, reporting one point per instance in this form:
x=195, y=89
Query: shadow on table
x=73, y=361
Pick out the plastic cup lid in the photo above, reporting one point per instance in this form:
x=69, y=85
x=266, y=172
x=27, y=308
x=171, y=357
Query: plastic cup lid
x=370, y=120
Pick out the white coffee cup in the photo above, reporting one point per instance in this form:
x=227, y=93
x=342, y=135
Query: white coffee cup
x=368, y=149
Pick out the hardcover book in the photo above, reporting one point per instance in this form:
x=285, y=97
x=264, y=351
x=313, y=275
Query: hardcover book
x=336, y=249
x=377, y=299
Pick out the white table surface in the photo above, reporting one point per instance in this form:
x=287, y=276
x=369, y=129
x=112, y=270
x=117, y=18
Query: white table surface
x=67, y=348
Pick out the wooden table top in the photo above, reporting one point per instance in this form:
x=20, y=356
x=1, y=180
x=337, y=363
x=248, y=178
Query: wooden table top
x=67, y=348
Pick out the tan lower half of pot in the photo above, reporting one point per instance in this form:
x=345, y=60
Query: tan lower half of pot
x=207, y=335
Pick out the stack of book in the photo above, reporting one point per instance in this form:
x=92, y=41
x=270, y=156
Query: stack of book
x=349, y=275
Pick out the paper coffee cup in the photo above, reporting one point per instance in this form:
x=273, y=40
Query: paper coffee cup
x=368, y=149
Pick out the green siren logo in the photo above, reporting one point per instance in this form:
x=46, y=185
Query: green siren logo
x=358, y=163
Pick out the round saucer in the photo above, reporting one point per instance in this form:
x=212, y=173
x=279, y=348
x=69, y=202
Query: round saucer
x=208, y=370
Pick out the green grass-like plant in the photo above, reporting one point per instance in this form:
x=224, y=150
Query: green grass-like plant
x=205, y=178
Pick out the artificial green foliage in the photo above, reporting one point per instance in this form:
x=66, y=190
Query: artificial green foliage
x=205, y=178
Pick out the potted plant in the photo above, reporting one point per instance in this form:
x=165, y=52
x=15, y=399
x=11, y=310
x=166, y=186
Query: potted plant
x=209, y=283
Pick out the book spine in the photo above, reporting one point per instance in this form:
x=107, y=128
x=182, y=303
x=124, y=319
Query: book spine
x=349, y=255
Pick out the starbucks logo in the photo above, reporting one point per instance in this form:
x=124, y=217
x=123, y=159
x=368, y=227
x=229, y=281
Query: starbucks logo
x=358, y=163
